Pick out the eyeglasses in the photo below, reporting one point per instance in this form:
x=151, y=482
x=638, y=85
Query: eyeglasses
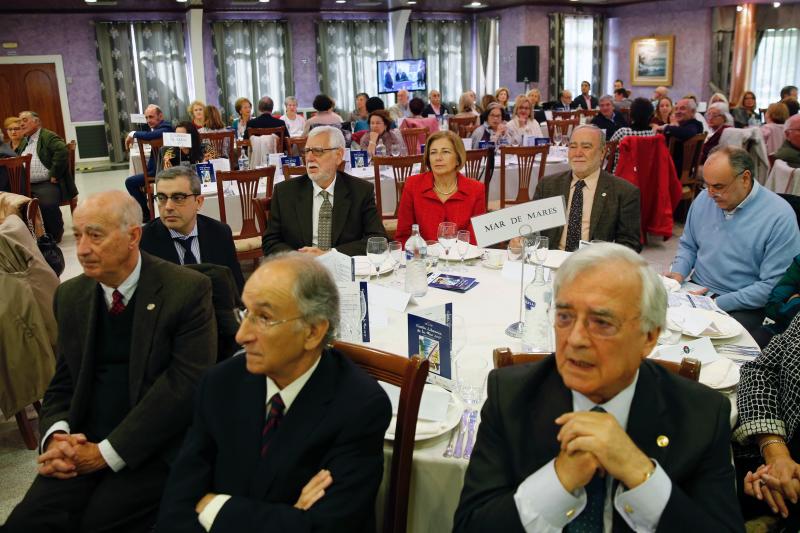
x=316, y=151
x=14, y=129
x=178, y=198
x=597, y=326
x=718, y=189
x=243, y=315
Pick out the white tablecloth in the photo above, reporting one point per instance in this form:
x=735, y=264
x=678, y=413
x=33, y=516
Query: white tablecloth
x=134, y=161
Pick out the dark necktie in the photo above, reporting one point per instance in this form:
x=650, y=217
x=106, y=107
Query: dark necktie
x=591, y=518
x=188, y=256
x=117, y=306
x=575, y=219
x=324, y=222
x=273, y=421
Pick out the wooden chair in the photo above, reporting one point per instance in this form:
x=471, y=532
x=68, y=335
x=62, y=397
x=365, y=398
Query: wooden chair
x=586, y=115
x=261, y=209
x=26, y=428
x=454, y=123
x=19, y=173
x=292, y=172
x=466, y=131
x=26, y=208
x=71, y=147
x=295, y=145
x=688, y=367
x=402, y=168
x=248, y=240
x=526, y=159
x=478, y=167
x=566, y=126
x=409, y=374
x=566, y=115
x=692, y=148
x=224, y=144
x=609, y=155
x=625, y=112
x=280, y=145
x=155, y=152
x=411, y=138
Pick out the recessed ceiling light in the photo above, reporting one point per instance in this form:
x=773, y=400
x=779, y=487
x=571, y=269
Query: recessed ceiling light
x=411, y=3
x=264, y=1
x=90, y=1
x=739, y=9
x=182, y=1
x=474, y=5
x=776, y=4
x=341, y=1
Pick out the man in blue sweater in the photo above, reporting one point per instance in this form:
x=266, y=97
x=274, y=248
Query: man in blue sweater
x=739, y=237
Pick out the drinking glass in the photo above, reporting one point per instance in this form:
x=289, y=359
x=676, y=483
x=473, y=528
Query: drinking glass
x=540, y=252
x=395, y=150
x=462, y=246
x=397, y=255
x=377, y=252
x=557, y=135
x=432, y=259
x=471, y=375
x=459, y=335
x=447, y=238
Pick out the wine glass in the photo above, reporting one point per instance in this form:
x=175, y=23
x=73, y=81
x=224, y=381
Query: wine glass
x=377, y=252
x=397, y=255
x=471, y=375
x=557, y=135
x=462, y=246
x=459, y=335
x=447, y=238
x=540, y=251
x=395, y=150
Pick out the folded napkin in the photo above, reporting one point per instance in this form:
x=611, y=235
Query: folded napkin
x=722, y=373
x=695, y=322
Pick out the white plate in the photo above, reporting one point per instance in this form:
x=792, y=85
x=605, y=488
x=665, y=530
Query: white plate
x=555, y=258
x=721, y=374
x=365, y=268
x=729, y=327
x=437, y=250
x=427, y=429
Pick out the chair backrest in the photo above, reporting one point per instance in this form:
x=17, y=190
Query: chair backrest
x=526, y=160
x=565, y=115
x=71, y=147
x=247, y=182
x=280, y=145
x=402, y=168
x=411, y=137
x=692, y=147
x=409, y=374
x=223, y=143
x=610, y=155
x=261, y=209
x=566, y=126
x=466, y=131
x=295, y=145
x=688, y=367
x=155, y=151
x=587, y=114
x=19, y=173
x=455, y=123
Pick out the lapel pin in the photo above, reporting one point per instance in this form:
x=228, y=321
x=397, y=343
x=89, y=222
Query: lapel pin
x=603, y=194
x=662, y=441
x=150, y=307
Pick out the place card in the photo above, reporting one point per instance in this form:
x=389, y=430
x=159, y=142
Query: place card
x=388, y=297
x=700, y=349
x=137, y=118
x=449, y=282
x=517, y=220
x=291, y=161
x=342, y=267
x=206, y=172
x=353, y=311
x=467, y=143
x=180, y=140
x=358, y=158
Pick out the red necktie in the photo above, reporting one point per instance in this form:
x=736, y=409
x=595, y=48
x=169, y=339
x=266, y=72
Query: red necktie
x=273, y=421
x=117, y=306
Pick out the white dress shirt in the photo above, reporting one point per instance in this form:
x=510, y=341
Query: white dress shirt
x=288, y=395
x=180, y=249
x=315, y=207
x=126, y=288
x=545, y=506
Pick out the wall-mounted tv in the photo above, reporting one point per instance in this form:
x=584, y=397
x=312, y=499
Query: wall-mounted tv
x=408, y=74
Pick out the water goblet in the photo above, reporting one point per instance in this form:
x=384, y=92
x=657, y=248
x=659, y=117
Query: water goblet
x=462, y=246
x=377, y=252
x=397, y=255
x=447, y=238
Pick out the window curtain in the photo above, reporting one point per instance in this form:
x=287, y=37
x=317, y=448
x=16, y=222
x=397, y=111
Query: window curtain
x=489, y=55
x=579, y=57
x=445, y=45
x=777, y=64
x=744, y=45
x=117, y=84
x=253, y=59
x=598, y=36
x=723, y=21
x=556, y=55
x=162, y=66
x=347, y=55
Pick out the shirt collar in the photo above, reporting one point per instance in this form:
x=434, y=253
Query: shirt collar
x=619, y=406
x=127, y=287
x=178, y=235
x=34, y=136
x=318, y=189
x=289, y=392
x=591, y=180
x=747, y=200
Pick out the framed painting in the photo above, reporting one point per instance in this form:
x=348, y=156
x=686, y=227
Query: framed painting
x=652, y=60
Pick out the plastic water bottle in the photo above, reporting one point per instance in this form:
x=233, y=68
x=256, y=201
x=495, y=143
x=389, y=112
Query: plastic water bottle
x=244, y=161
x=445, y=120
x=416, y=272
x=380, y=148
x=538, y=295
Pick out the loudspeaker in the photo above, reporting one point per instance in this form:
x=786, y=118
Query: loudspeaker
x=527, y=63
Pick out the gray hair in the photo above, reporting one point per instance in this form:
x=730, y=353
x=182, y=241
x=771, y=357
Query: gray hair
x=600, y=135
x=126, y=208
x=723, y=108
x=606, y=97
x=738, y=159
x=314, y=291
x=34, y=115
x=290, y=100
x=181, y=171
x=691, y=103
x=653, y=303
x=335, y=136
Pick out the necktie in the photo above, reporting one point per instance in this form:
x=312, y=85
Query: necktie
x=117, y=306
x=188, y=256
x=591, y=518
x=575, y=219
x=324, y=225
x=273, y=421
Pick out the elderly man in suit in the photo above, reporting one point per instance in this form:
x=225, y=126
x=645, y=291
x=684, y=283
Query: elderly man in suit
x=597, y=437
x=601, y=205
x=134, y=335
x=158, y=127
x=324, y=208
x=265, y=118
x=287, y=436
x=684, y=127
x=183, y=236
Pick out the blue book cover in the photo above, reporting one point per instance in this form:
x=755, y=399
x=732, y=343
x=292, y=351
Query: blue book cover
x=430, y=334
x=449, y=282
x=206, y=172
x=539, y=141
x=358, y=158
x=291, y=161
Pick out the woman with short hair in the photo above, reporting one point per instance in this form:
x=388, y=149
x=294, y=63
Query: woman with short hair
x=325, y=116
x=244, y=108
x=776, y=116
x=381, y=131
x=294, y=123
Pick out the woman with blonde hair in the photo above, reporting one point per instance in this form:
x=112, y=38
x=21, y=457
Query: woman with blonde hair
x=13, y=128
x=466, y=106
x=773, y=130
x=663, y=112
x=294, y=122
x=523, y=123
x=212, y=120
x=502, y=96
x=196, y=110
x=746, y=113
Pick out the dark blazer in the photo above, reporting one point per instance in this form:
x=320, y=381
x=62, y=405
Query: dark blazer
x=355, y=217
x=616, y=216
x=174, y=340
x=266, y=120
x=611, y=125
x=682, y=132
x=579, y=101
x=337, y=422
x=52, y=151
x=156, y=133
x=214, y=237
x=517, y=436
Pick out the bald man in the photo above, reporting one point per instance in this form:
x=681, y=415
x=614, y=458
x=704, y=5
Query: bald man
x=158, y=127
x=134, y=335
x=790, y=149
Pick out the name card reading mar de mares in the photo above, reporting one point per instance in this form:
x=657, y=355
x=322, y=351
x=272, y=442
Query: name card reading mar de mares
x=181, y=140
x=506, y=224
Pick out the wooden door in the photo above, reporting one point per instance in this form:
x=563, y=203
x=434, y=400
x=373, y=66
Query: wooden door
x=32, y=87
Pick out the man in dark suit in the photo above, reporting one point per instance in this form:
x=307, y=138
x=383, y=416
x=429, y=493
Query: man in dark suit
x=324, y=208
x=600, y=205
x=685, y=126
x=158, y=127
x=564, y=102
x=289, y=435
x=134, y=335
x=597, y=438
x=181, y=235
x=608, y=118
x=265, y=118
x=585, y=100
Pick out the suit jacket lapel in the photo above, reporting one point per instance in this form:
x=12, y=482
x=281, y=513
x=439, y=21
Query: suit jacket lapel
x=305, y=210
x=145, y=317
x=251, y=416
x=551, y=400
x=165, y=243
x=86, y=297
x=599, y=202
x=207, y=247
x=341, y=207
x=648, y=417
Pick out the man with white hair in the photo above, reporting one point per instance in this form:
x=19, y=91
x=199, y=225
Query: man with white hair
x=324, y=208
x=134, y=335
x=683, y=127
x=790, y=149
x=598, y=437
x=400, y=109
x=717, y=118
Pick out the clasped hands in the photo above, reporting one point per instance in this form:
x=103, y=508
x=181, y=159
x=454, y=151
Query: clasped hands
x=595, y=443
x=775, y=483
x=69, y=455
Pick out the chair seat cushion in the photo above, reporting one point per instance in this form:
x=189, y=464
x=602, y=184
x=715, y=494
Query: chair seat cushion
x=390, y=225
x=246, y=245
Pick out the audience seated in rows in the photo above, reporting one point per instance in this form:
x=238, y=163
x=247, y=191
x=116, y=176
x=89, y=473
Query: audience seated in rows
x=523, y=123
x=772, y=131
x=294, y=123
x=790, y=149
x=265, y=118
x=244, y=108
x=585, y=100
x=608, y=118
x=157, y=127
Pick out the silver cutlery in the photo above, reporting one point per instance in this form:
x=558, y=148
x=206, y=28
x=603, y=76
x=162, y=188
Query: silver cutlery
x=451, y=444
x=462, y=432
x=473, y=419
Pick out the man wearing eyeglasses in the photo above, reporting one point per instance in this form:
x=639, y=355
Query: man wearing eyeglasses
x=738, y=240
x=598, y=438
x=288, y=435
x=790, y=150
x=183, y=236
x=324, y=208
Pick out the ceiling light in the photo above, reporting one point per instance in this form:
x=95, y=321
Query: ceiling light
x=264, y=1
x=474, y=5
x=776, y=4
x=182, y=1
x=90, y=1
x=739, y=9
x=341, y=1
x=411, y=3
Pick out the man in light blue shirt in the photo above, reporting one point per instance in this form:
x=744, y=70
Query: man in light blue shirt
x=739, y=238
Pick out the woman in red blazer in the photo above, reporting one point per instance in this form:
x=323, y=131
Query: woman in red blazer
x=441, y=195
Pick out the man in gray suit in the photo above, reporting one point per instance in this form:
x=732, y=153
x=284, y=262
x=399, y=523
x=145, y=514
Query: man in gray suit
x=600, y=206
x=134, y=335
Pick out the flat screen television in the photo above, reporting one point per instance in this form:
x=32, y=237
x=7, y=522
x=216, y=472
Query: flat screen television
x=408, y=74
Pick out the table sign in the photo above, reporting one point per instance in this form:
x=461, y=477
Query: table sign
x=291, y=161
x=221, y=164
x=342, y=267
x=700, y=349
x=430, y=335
x=206, y=172
x=384, y=297
x=181, y=140
x=137, y=118
x=358, y=158
x=522, y=219
x=354, y=311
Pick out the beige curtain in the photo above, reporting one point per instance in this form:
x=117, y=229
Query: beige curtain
x=744, y=48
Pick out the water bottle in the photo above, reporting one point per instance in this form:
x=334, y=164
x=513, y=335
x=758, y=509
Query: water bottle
x=416, y=272
x=244, y=161
x=538, y=295
x=445, y=120
x=380, y=148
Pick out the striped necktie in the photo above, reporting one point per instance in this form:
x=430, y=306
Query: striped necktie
x=325, y=220
x=274, y=418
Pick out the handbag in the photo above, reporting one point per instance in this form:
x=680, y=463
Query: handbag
x=50, y=250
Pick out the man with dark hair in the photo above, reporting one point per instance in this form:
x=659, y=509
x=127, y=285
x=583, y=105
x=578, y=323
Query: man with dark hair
x=585, y=100
x=621, y=99
x=790, y=91
x=618, y=84
x=183, y=236
x=374, y=103
x=265, y=118
x=608, y=119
